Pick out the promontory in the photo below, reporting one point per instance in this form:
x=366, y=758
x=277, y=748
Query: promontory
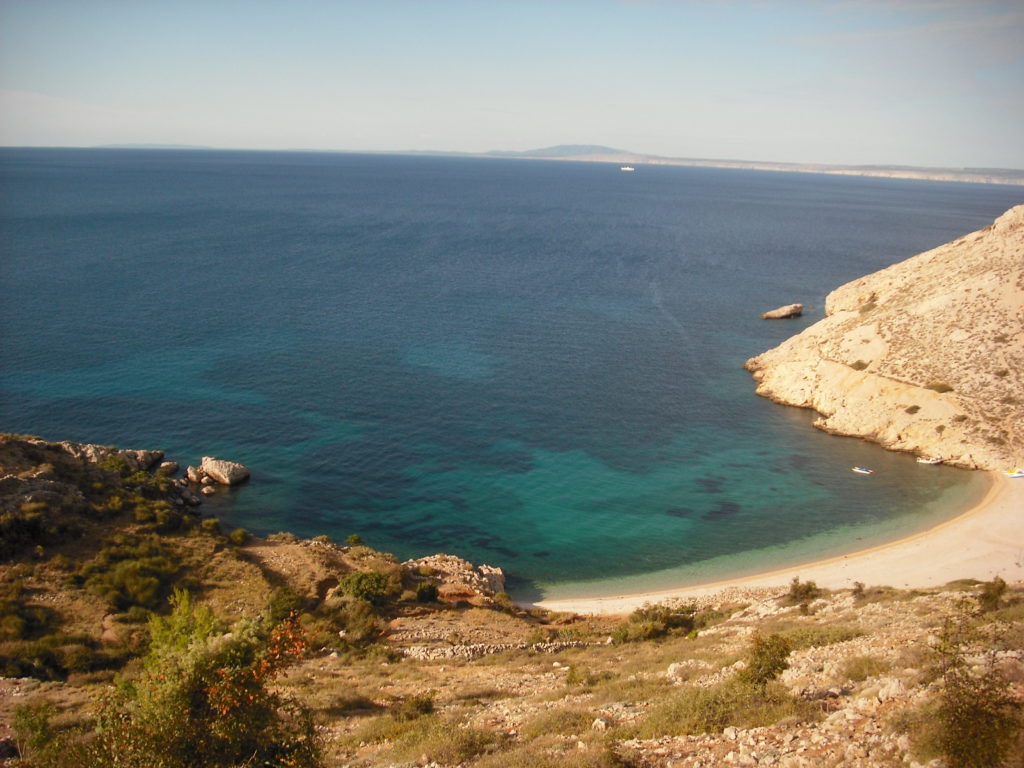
x=924, y=356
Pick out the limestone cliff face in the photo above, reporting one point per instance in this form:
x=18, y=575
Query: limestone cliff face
x=925, y=356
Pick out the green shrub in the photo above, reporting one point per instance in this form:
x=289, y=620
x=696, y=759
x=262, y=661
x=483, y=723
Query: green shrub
x=132, y=571
x=446, y=742
x=529, y=756
x=939, y=386
x=202, y=699
x=801, y=592
x=567, y=720
x=239, y=536
x=860, y=668
x=354, y=540
x=51, y=657
x=860, y=365
x=709, y=710
x=653, y=621
x=413, y=707
x=821, y=635
x=503, y=602
x=371, y=586
x=20, y=620
x=912, y=409
x=974, y=721
x=32, y=725
x=361, y=623
x=767, y=658
x=283, y=603
x=991, y=595
x=580, y=677
x=426, y=592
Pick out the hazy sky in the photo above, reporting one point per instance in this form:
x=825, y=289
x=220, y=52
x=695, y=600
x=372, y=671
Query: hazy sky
x=925, y=82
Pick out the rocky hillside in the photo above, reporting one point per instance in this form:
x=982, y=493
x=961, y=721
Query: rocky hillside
x=427, y=663
x=925, y=356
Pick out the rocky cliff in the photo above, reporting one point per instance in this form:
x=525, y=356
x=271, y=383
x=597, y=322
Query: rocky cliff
x=925, y=356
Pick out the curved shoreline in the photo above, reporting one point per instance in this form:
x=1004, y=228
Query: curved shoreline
x=985, y=541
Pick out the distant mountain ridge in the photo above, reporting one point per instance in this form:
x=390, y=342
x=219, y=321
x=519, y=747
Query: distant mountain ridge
x=563, y=150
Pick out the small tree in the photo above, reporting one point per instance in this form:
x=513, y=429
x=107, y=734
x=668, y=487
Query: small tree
x=976, y=718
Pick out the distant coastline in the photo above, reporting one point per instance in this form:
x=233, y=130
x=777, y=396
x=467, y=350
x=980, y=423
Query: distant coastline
x=594, y=154
x=600, y=154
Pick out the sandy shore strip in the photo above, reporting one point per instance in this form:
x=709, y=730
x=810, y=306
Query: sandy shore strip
x=984, y=542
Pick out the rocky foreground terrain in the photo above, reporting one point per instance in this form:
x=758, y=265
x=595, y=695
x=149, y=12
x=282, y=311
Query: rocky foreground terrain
x=428, y=662
x=925, y=356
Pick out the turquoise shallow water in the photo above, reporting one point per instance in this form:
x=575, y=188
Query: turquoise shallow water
x=536, y=365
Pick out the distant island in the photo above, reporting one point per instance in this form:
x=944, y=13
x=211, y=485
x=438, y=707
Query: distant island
x=152, y=146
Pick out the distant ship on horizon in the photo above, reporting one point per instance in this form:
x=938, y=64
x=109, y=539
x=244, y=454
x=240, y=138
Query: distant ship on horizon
x=627, y=168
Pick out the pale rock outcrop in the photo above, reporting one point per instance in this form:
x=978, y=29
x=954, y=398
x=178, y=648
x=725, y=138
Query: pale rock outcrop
x=223, y=472
x=456, y=575
x=925, y=356
x=97, y=454
x=789, y=310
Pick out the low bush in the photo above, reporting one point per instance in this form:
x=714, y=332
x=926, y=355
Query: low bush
x=567, y=720
x=709, y=710
x=860, y=668
x=653, y=621
x=820, y=635
x=239, y=536
x=767, y=658
x=20, y=620
x=413, y=707
x=132, y=570
x=283, y=603
x=975, y=719
x=202, y=698
x=53, y=657
x=426, y=592
x=991, y=595
x=35, y=733
x=372, y=586
x=801, y=592
x=529, y=756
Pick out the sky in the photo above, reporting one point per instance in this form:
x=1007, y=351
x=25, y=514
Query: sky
x=908, y=82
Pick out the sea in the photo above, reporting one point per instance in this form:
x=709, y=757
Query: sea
x=531, y=364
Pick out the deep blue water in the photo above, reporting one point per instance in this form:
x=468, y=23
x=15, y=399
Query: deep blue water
x=533, y=364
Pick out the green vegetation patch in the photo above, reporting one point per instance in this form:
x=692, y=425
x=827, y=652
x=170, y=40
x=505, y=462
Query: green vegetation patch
x=132, y=570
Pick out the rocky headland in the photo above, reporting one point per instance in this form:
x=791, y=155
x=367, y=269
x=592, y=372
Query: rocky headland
x=925, y=356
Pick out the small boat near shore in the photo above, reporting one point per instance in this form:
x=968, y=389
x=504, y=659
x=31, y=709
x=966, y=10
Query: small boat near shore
x=1015, y=473
x=863, y=471
x=929, y=459
x=627, y=168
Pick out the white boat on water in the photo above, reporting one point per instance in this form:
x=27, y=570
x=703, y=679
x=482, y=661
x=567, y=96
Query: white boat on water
x=929, y=459
x=1016, y=473
x=863, y=471
x=627, y=168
